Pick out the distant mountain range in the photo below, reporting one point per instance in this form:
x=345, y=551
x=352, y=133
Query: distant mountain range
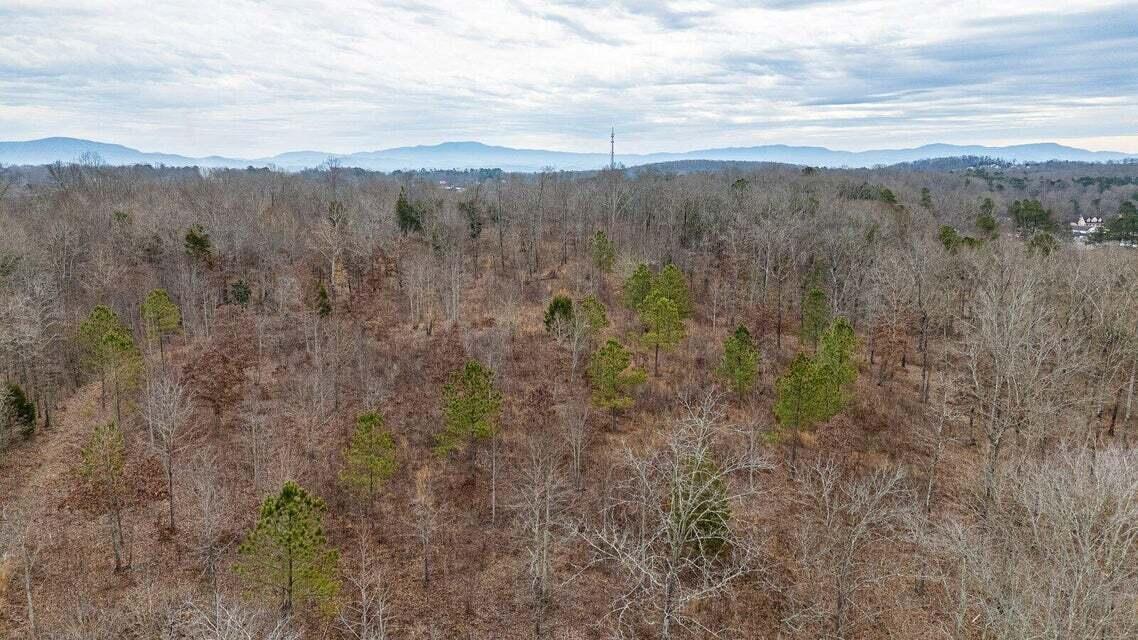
x=475, y=155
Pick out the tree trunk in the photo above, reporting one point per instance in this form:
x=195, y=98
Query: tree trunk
x=170, y=486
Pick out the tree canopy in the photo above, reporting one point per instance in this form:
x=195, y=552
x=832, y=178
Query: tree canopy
x=740, y=364
x=471, y=405
x=287, y=554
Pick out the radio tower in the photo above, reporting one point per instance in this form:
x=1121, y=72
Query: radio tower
x=612, y=148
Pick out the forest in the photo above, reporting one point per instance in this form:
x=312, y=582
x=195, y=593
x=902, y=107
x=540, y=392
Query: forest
x=733, y=401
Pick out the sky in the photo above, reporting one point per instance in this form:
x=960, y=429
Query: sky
x=253, y=78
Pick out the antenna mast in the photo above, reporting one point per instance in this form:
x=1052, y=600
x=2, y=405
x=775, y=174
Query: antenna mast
x=612, y=148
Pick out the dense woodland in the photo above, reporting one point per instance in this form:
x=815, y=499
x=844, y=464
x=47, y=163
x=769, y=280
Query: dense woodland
x=752, y=402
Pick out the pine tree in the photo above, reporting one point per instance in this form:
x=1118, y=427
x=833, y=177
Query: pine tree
x=559, y=313
x=664, y=326
x=815, y=315
x=799, y=404
x=198, y=245
x=109, y=347
x=160, y=317
x=637, y=286
x=103, y=464
x=369, y=460
x=986, y=221
x=322, y=304
x=814, y=389
x=594, y=312
x=471, y=405
x=926, y=198
x=612, y=378
x=670, y=283
x=836, y=352
x=604, y=253
x=17, y=412
x=740, y=364
x=241, y=293
x=406, y=216
x=287, y=553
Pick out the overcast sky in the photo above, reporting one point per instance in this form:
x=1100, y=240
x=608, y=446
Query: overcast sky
x=247, y=78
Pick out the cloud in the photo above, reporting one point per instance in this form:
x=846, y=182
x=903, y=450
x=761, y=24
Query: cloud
x=251, y=78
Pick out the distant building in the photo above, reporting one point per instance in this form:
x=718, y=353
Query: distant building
x=1084, y=227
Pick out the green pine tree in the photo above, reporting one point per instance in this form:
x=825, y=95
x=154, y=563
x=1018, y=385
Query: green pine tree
x=471, y=406
x=369, y=460
x=664, y=326
x=559, y=313
x=604, y=252
x=670, y=283
x=986, y=220
x=594, y=312
x=637, y=286
x=242, y=294
x=836, y=367
x=108, y=347
x=813, y=390
x=800, y=399
x=160, y=318
x=198, y=245
x=613, y=378
x=815, y=315
x=740, y=364
x=287, y=554
x=406, y=216
x=322, y=304
x=18, y=413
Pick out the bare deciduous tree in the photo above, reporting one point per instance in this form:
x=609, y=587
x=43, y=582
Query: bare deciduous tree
x=848, y=527
x=676, y=535
x=166, y=410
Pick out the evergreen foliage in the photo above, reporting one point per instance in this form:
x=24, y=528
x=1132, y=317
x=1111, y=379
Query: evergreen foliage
x=160, y=316
x=604, y=252
x=1030, y=217
x=406, y=216
x=670, y=283
x=595, y=313
x=103, y=463
x=740, y=364
x=369, y=460
x=612, y=377
x=241, y=292
x=471, y=406
x=813, y=390
x=1124, y=228
x=559, y=313
x=19, y=413
x=815, y=315
x=1042, y=244
x=665, y=328
x=198, y=244
x=287, y=554
x=699, y=507
x=637, y=286
x=322, y=304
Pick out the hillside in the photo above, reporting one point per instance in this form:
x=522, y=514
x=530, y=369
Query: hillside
x=755, y=403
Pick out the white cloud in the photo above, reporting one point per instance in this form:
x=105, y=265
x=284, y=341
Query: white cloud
x=253, y=78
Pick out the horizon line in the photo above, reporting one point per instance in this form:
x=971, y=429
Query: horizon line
x=335, y=154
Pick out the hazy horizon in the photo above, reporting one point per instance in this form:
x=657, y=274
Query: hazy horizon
x=251, y=80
